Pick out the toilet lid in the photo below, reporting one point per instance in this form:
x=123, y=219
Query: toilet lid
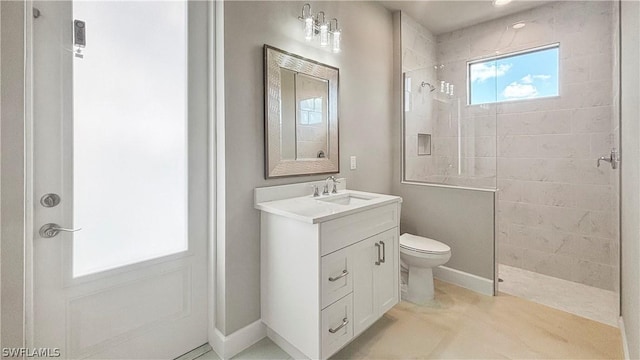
x=423, y=244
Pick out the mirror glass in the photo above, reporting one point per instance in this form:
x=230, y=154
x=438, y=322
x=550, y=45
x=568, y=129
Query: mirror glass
x=301, y=115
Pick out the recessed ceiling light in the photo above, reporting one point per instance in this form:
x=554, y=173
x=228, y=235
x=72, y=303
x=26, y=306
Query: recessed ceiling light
x=519, y=25
x=500, y=2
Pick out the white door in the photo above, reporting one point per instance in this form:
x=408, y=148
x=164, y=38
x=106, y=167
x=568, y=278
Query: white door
x=365, y=260
x=375, y=278
x=387, y=277
x=120, y=136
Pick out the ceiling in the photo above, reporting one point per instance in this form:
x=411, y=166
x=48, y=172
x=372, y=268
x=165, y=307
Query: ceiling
x=447, y=15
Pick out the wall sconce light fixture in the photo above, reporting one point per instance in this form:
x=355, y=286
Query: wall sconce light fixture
x=318, y=27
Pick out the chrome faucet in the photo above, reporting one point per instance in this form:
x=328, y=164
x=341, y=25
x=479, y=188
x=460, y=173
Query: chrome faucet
x=612, y=159
x=325, y=191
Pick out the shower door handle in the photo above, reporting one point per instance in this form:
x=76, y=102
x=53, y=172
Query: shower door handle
x=612, y=159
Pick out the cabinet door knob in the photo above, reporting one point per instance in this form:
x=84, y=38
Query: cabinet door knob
x=345, y=321
x=384, y=252
x=379, y=260
x=344, y=273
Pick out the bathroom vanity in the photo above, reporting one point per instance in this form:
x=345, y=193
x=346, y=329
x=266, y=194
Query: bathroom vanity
x=329, y=265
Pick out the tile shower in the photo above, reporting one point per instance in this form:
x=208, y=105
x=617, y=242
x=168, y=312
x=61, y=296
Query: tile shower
x=557, y=213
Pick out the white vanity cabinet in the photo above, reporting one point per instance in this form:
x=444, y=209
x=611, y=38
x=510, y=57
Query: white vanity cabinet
x=325, y=281
x=376, y=274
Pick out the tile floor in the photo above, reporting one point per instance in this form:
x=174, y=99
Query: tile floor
x=461, y=324
x=583, y=300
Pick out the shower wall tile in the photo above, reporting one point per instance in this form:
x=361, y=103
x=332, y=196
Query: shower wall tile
x=557, y=212
x=517, y=146
x=478, y=147
x=550, y=193
x=537, y=238
x=601, y=144
x=564, y=146
x=510, y=255
x=479, y=126
x=591, y=120
x=594, y=197
x=575, y=69
x=592, y=249
x=411, y=146
x=586, y=95
x=549, y=264
x=595, y=274
x=600, y=67
x=535, y=123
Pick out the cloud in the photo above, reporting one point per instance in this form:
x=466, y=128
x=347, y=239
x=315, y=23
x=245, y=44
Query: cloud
x=529, y=79
x=481, y=72
x=516, y=90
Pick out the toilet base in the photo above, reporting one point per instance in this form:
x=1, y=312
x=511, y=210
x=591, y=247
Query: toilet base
x=420, y=288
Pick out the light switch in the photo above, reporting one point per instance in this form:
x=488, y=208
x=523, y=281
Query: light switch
x=354, y=164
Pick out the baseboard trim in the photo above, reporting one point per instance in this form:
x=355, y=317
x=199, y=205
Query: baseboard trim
x=285, y=345
x=231, y=345
x=463, y=279
x=623, y=334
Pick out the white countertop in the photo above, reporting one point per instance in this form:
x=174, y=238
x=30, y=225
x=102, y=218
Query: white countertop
x=315, y=210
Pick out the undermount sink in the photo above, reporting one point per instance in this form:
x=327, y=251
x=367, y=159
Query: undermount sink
x=347, y=199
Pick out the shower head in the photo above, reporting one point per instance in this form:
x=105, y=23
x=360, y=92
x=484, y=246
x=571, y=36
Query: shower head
x=426, y=84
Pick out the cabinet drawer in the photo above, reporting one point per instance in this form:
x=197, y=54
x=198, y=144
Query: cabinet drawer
x=337, y=276
x=337, y=325
x=338, y=233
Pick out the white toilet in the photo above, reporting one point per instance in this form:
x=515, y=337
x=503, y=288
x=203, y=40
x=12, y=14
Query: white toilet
x=421, y=255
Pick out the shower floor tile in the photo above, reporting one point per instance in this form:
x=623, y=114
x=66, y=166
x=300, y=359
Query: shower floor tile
x=582, y=300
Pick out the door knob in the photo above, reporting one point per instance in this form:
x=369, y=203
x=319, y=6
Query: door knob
x=50, y=230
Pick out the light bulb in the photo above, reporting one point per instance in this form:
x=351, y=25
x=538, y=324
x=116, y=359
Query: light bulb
x=324, y=34
x=308, y=28
x=336, y=41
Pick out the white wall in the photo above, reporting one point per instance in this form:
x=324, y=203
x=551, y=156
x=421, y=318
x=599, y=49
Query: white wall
x=630, y=176
x=365, y=113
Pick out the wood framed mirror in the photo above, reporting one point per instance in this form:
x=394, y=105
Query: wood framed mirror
x=301, y=115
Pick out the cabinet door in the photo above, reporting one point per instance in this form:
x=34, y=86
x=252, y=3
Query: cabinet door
x=388, y=273
x=364, y=255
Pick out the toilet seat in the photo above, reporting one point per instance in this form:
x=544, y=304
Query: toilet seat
x=423, y=245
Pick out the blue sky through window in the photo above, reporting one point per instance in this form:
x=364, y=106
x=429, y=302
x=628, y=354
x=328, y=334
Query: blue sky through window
x=522, y=76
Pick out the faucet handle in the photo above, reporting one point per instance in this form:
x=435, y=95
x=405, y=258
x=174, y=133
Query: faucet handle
x=335, y=186
x=315, y=190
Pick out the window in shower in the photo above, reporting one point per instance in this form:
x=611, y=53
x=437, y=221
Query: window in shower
x=527, y=74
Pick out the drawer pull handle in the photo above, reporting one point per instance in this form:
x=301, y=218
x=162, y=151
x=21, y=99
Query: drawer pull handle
x=379, y=260
x=344, y=273
x=345, y=321
x=384, y=252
